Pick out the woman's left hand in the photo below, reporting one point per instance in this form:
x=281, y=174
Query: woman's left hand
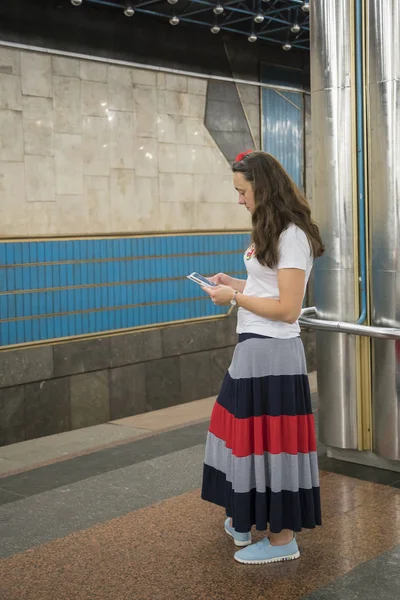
x=220, y=295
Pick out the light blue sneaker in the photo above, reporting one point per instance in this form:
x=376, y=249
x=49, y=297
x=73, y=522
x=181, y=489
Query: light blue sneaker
x=240, y=539
x=263, y=552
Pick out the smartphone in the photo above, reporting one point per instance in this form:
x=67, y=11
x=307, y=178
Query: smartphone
x=197, y=278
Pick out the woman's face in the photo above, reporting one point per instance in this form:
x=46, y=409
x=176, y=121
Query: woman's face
x=245, y=191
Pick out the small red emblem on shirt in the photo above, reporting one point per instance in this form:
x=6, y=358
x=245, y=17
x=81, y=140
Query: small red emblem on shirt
x=250, y=252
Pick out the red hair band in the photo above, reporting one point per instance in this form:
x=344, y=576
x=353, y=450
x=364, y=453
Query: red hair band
x=242, y=155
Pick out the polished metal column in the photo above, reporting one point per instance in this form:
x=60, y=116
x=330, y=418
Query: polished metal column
x=383, y=75
x=333, y=199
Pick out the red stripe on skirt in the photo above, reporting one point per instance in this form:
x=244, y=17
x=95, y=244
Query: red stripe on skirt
x=256, y=435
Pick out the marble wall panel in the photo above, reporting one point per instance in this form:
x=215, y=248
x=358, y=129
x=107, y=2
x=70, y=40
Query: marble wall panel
x=105, y=148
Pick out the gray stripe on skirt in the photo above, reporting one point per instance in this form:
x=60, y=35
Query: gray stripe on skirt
x=276, y=471
x=263, y=357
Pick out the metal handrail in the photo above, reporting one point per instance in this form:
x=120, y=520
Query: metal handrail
x=386, y=333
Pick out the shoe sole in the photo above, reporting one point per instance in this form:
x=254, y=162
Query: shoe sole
x=268, y=560
x=236, y=542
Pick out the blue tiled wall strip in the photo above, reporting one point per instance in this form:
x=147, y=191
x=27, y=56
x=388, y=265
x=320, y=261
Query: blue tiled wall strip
x=54, y=289
x=283, y=130
x=283, y=119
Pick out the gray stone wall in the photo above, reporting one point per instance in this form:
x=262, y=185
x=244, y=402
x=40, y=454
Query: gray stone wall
x=226, y=119
x=54, y=388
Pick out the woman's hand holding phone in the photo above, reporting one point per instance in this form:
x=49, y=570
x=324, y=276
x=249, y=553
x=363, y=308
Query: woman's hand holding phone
x=222, y=279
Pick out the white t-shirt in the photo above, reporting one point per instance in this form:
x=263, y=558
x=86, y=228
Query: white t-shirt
x=262, y=282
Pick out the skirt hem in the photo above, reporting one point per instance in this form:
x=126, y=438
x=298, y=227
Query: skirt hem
x=278, y=510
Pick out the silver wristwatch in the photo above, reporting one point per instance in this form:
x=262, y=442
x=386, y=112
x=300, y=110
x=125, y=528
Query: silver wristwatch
x=234, y=301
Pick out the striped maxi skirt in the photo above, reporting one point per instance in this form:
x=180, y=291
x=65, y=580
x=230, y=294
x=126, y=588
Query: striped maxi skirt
x=261, y=457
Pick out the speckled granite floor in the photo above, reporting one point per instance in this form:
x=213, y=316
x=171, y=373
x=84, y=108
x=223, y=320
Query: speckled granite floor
x=127, y=522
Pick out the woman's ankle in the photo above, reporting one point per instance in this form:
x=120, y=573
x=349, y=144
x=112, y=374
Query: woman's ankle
x=282, y=538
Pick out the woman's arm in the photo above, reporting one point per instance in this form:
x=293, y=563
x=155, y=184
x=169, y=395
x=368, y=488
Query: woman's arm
x=286, y=308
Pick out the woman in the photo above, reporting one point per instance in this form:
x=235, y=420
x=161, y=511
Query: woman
x=261, y=460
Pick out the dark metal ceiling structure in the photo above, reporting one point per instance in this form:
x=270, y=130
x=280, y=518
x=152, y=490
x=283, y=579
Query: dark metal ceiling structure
x=283, y=22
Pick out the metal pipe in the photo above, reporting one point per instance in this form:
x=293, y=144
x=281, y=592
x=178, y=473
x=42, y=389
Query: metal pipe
x=387, y=333
x=383, y=97
x=333, y=136
x=360, y=161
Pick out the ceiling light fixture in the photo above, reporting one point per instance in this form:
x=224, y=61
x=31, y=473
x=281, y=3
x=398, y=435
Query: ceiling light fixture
x=174, y=21
x=287, y=47
x=295, y=28
x=259, y=18
x=129, y=11
x=252, y=38
x=219, y=9
x=172, y=1
x=76, y=2
x=215, y=29
x=306, y=7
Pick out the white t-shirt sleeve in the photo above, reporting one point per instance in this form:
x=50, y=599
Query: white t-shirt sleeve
x=294, y=249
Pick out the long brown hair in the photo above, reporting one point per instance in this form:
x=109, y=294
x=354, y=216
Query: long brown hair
x=278, y=203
